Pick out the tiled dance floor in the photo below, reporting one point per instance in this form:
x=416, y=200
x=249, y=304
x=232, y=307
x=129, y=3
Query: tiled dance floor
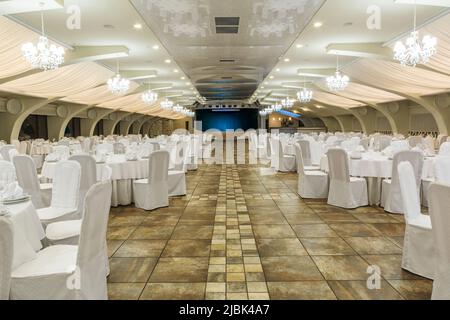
x=242, y=232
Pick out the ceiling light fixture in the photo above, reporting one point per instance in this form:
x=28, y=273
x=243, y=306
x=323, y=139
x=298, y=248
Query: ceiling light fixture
x=149, y=97
x=305, y=95
x=299, y=46
x=337, y=82
x=166, y=104
x=117, y=84
x=287, y=59
x=318, y=24
x=44, y=56
x=167, y=61
x=155, y=47
x=137, y=26
x=414, y=52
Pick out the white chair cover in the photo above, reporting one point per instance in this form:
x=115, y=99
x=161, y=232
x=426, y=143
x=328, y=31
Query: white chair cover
x=88, y=175
x=66, y=272
x=7, y=172
x=418, y=247
x=106, y=173
x=153, y=192
x=439, y=212
x=65, y=193
x=4, y=151
x=311, y=184
x=6, y=256
x=104, y=148
x=345, y=191
x=282, y=162
x=119, y=148
x=444, y=150
x=28, y=180
x=23, y=148
x=391, y=198
x=442, y=169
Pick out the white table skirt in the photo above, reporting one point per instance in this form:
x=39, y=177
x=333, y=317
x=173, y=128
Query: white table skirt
x=375, y=169
x=28, y=232
x=123, y=174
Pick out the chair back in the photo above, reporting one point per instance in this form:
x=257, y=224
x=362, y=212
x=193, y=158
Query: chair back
x=439, y=207
x=4, y=151
x=444, y=150
x=299, y=157
x=23, y=148
x=88, y=170
x=416, y=160
x=106, y=173
x=305, y=147
x=338, y=165
x=92, y=242
x=119, y=148
x=409, y=190
x=442, y=169
x=66, y=184
x=27, y=178
x=7, y=172
x=6, y=256
x=62, y=151
x=158, y=167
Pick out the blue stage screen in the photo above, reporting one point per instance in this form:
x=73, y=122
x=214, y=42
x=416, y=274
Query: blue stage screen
x=224, y=119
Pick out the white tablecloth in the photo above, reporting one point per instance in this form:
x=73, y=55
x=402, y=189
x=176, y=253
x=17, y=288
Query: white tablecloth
x=28, y=232
x=123, y=174
x=375, y=167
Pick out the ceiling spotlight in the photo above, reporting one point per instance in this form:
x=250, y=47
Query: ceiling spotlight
x=167, y=61
x=175, y=70
x=182, y=78
x=271, y=77
x=155, y=47
x=137, y=26
x=266, y=83
x=299, y=46
x=287, y=59
x=318, y=24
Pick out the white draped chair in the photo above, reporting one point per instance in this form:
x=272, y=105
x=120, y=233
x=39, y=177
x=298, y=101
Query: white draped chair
x=305, y=147
x=444, y=149
x=311, y=184
x=345, y=191
x=4, y=151
x=119, y=148
x=177, y=176
x=153, y=192
x=88, y=176
x=23, y=148
x=65, y=194
x=86, y=145
x=440, y=219
x=66, y=272
x=418, y=246
x=106, y=173
x=391, y=198
x=7, y=172
x=6, y=256
x=27, y=178
x=442, y=169
x=280, y=161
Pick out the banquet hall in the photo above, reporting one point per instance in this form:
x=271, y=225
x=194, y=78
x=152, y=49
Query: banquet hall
x=224, y=150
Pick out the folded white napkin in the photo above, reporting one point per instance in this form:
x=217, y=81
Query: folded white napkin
x=12, y=191
x=355, y=154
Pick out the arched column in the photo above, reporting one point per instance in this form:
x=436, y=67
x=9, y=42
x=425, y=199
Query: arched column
x=17, y=111
x=64, y=113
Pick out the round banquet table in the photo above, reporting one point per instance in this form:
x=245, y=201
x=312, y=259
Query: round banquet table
x=375, y=167
x=123, y=174
x=28, y=232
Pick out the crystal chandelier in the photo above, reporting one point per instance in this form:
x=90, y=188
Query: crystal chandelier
x=263, y=113
x=44, y=56
x=338, y=82
x=178, y=108
x=414, y=52
x=149, y=97
x=276, y=107
x=287, y=103
x=305, y=95
x=117, y=84
x=167, y=104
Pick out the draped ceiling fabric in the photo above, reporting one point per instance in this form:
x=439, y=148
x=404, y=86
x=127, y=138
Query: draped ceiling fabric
x=364, y=93
x=97, y=95
x=334, y=100
x=62, y=82
x=393, y=76
x=12, y=37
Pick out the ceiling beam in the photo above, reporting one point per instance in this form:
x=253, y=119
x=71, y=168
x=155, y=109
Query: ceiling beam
x=95, y=53
x=361, y=50
x=138, y=74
